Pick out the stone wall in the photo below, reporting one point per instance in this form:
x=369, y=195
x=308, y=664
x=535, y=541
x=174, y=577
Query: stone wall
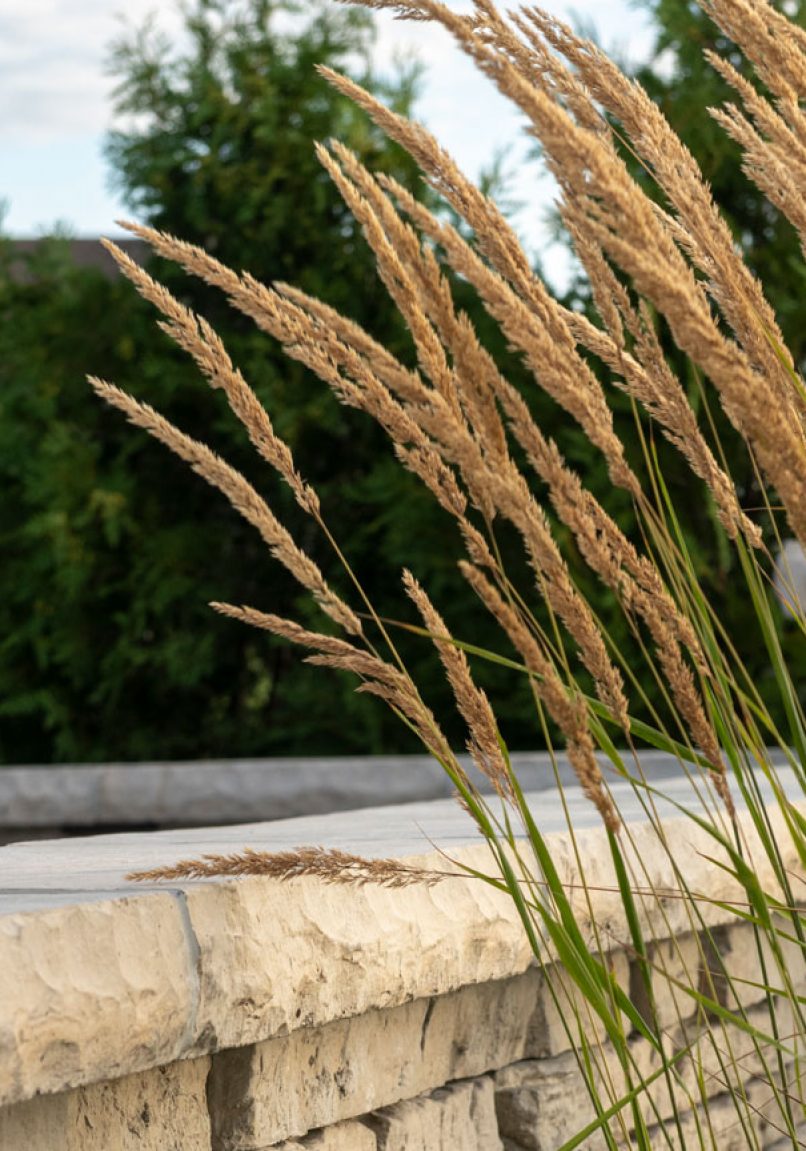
x=485, y=1068
x=46, y=801
x=247, y=1015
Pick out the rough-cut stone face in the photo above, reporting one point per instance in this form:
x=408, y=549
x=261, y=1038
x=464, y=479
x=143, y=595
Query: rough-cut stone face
x=117, y=999
x=339, y=1137
x=286, y=1086
x=352, y=1066
x=672, y=962
x=740, y=953
x=542, y=1103
x=329, y=953
x=459, y=1116
x=556, y=1027
x=412, y=1078
x=107, y=982
x=727, y=1129
x=160, y=1110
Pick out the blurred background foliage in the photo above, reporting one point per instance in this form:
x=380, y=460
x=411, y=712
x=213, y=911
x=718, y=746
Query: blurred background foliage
x=111, y=549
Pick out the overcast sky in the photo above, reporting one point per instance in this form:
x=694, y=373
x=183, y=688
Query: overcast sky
x=55, y=105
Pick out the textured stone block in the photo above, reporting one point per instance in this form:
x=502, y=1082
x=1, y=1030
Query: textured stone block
x=562, y=1010
x=673, y=961
x=460, y=1116
x=284, y=1087
x=769, y=1120
x=739, y=949
x=721, y=1128
x=480, y=1028
x=118, y=999
x=160, y=1110
x=785, y=1143
x=275, y=957
x=340, y=1137
x=542, y=1103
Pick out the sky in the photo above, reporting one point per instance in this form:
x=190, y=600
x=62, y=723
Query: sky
x=55, y=107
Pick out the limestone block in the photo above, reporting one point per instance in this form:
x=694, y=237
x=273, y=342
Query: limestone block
x=316, y=1076
x=118, y=999
x=715, y=1045
x=720, y=1044
x=275, y=957
x=460, y=1116
x=645, y=857
x=726, y=1043
x=722, y=1128
x=160, y=1110
x=350, y=1136
x=673, y=961
x=480, y=1028
x=739, y=949
x=561, y=1008
x=284, y=1087
x=785, y=1144
x=769, y=1120
x=235, y=791
x=50, y=796
x=541, y=1103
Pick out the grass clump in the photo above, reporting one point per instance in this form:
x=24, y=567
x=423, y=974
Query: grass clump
x=663, y=270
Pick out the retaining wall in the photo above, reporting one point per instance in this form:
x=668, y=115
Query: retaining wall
x=242, y=1015
x=45, y=801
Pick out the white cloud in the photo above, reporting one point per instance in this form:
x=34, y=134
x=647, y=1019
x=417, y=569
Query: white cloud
x=473, y=121
x=55, y=102
x=53, y=56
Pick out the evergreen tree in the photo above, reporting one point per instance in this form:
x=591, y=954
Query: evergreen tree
x=111, y=550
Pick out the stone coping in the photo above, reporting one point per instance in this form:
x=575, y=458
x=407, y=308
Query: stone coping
x=192, y=794
x=101, y=978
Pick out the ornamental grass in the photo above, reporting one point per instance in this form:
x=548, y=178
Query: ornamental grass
x=668, y=285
